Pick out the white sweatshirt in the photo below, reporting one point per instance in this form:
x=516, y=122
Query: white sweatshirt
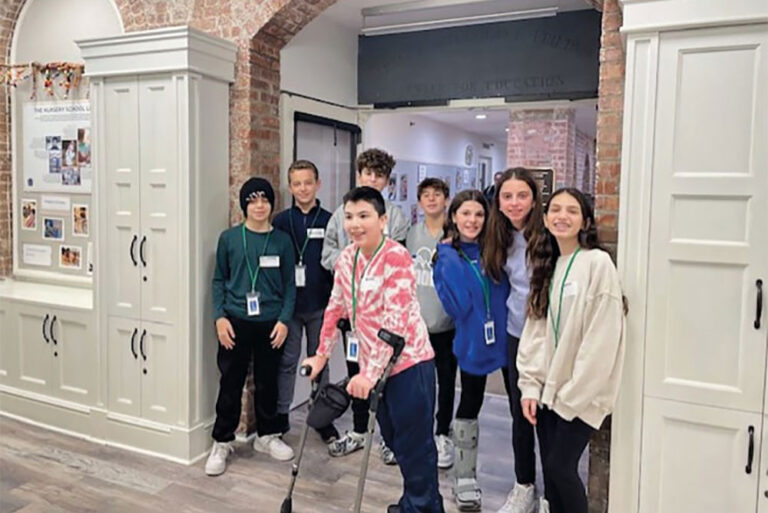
x=580, y=375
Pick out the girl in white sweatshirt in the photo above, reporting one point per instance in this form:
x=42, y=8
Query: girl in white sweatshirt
x=572, y=346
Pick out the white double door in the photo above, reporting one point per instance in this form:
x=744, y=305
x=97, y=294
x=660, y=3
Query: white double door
x=142, y=164
x=704, y=447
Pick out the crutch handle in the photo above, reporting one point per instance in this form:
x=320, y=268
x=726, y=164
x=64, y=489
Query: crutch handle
x=395, y=341
x=305, y=370
x=344, y=325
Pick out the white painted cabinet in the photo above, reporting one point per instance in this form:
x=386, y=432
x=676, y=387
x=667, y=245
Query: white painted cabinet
x=8, y=345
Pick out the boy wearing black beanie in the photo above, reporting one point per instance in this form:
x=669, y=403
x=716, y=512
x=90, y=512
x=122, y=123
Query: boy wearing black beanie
x=253, y=298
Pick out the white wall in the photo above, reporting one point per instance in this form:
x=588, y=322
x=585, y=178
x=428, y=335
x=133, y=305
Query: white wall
x=321, y=62
x=47, y=29
x=418, y=139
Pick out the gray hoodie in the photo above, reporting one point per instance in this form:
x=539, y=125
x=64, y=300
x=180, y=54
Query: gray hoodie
x=422, y=247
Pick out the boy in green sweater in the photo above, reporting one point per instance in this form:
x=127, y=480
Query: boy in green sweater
x=253, y=297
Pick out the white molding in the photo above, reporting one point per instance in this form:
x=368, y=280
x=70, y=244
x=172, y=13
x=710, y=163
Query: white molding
x=68, y=298
x=656, y=15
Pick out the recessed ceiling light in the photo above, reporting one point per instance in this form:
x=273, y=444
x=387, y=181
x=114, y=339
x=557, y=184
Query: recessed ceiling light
x=480, y=116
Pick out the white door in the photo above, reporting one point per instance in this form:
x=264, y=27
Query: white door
x=160, y=361
x=33, y=325
x=122, y=190
x=9, y=345
x=762, y=496
x=709, y=220
x=123, y=339
x=75, y=357
x=160, y=237
x=696, y=459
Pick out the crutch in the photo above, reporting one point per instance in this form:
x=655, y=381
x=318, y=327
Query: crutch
x=397, y=343
x=306, y=370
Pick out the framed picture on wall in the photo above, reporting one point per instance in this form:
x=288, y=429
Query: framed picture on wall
x=70, y=257
x=28, y=214
x=80, y=220
x=53, y=228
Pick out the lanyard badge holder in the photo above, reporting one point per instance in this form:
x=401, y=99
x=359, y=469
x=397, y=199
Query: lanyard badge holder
x=489, y=330
x=252, y=299
x=252, y=302
x=301, y=269
x=353, y=344
x=301, y=274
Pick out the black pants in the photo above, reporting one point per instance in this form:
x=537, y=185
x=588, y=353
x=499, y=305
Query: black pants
x=561, y=444
x=445, y=362
x=472, y=393
x=251, y=344
x=359, y=406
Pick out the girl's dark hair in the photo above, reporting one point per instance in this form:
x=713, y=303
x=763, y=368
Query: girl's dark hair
x=501, y=229
x=544, y=254
x=451, y=230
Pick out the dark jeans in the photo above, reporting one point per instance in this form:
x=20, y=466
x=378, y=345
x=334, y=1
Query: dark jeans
x=405, y=418
x=251, y=345
x=561, y=444
x=445, y=363
x=472, y=393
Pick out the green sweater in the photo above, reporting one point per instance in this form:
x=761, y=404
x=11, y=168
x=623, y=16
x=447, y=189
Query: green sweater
x=232, y=281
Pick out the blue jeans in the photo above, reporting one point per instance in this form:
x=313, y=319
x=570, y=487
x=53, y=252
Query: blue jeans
x=405, y=416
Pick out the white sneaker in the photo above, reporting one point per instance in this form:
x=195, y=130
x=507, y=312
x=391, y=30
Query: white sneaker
x=347, y=444
x=445, y=450
x=217, y=460
x=522, y=499
x=274, y=446
x=543, y=505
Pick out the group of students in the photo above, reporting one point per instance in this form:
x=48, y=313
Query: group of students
x=514, y=285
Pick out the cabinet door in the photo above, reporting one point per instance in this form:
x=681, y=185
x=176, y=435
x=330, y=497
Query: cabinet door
x=695, y=459
x=762, y=496
x=708, y=238
x=123, y=339
x=9, y=345
x=160, y=361
x=122, y=203
x=75, y=359
x=161, y=131
x=35, y=352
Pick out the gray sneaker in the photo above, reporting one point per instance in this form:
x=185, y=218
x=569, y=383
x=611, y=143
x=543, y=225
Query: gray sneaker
x=387, y=456
x=347, y=444
x=521, y=499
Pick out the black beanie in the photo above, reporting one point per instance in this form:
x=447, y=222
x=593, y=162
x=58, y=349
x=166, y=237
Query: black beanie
x=252, y=188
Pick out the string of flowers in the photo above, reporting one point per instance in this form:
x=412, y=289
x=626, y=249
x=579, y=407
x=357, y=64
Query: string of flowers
x=66, y=75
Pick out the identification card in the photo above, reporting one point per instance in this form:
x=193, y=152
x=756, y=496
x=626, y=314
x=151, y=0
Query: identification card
x=269, y=261
x=353, y=349
x=371, y=283
x=316, y=233
x=490, y=333
x=252, y=303
x=301, y=275
x=571, y=288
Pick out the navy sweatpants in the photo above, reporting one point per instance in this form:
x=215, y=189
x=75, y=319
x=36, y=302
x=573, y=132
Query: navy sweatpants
x=405, y=417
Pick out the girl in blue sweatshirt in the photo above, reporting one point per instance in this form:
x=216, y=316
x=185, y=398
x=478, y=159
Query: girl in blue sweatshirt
x=477, y=305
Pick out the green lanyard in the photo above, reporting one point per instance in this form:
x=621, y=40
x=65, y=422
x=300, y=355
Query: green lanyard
x=483, y=283
x=362, y=276
x=255, y=276
x=556, y=324
x=306, y=235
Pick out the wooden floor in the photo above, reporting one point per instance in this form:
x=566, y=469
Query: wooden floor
x=43, y=471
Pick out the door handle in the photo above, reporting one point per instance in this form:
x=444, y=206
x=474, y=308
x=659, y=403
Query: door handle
x=53, y=321
x=133, y=247
x=751, y=449
x=133, y=343
x=759, y=313
x=45, y=321
x=141, y=345
x=141, y=250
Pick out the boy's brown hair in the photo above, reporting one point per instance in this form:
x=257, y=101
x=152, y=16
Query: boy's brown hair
x=432, y=183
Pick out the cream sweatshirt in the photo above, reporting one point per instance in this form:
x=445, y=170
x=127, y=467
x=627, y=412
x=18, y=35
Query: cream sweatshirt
x=580, y=375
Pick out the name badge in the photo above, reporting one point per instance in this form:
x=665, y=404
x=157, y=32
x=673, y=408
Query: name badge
x=371, y=283
x=252, y=304
x=269, y=261
x=571, y=289
x=316, y=233
x=490, y=333
x=301, y=275
x=353, y=349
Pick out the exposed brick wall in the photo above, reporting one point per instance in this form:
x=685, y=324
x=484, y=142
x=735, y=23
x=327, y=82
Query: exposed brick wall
x=609, y=119
x=585, y=162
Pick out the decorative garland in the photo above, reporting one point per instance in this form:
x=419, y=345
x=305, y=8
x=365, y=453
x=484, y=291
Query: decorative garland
x=66, y=75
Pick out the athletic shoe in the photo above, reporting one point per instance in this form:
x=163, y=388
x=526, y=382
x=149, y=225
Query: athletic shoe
x=521, y=499
x=445, y=451
x=274, y=446
x=347, y=444
x=217, y=460
x=387, y=456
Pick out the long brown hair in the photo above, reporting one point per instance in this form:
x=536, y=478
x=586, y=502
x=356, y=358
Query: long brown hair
x=544, y=254
x=451, y=230
x=502, y=231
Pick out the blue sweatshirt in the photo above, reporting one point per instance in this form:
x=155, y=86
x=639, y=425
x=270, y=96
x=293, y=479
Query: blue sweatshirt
x=314, y=296
x=461, y=294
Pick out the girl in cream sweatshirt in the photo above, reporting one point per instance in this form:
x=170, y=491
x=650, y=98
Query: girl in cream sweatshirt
x=572, y=346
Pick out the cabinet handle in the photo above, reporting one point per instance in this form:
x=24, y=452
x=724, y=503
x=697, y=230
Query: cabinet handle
x=45, y=321
x=141, y=250
x=141, y=345
x=131, y=251
x=759, y=284
x=133, y=343
x=53, y=321
x=751, y=450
